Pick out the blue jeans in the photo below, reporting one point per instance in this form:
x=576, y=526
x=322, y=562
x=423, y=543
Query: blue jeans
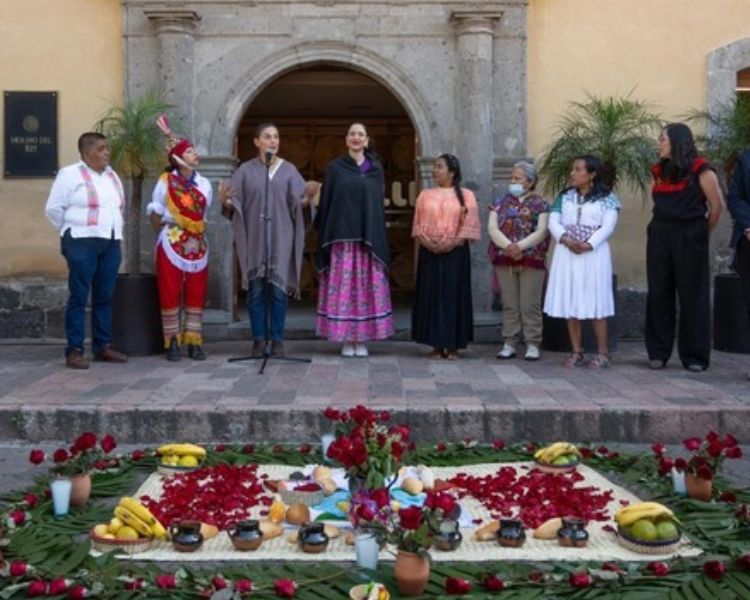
x=278, y=304
x=92, y=266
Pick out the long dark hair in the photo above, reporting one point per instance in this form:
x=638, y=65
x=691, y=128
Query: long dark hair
x=600, y=186
x=454, y=167
x=683, y=152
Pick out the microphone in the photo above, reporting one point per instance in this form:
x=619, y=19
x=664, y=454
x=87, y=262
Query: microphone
x=269, y=156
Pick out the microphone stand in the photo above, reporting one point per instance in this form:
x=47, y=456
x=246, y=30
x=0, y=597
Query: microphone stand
x=265, y=217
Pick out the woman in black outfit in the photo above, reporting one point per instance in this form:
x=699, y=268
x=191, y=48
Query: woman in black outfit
x=687, y=205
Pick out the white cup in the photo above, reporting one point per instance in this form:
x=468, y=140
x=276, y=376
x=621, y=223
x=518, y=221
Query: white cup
x=678, y=482
x=326, y=440
x=61, y=489
x=367, y=549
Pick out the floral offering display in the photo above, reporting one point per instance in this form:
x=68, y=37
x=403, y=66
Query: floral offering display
x=82, y=457
x=706, y=458
x=366, y=446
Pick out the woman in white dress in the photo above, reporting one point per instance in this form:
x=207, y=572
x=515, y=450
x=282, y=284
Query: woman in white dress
x=582, y=219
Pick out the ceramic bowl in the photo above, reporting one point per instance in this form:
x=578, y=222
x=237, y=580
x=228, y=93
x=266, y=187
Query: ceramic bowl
x=359, y=592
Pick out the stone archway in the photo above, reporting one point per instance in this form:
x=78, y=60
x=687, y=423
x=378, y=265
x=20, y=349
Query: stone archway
x=240, y=95
x=723, y=66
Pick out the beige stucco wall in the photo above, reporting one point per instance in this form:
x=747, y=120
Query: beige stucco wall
x=656, y=47
x=73, y=47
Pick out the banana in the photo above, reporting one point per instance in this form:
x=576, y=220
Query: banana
x=642, y=510
x=130, y=519
x=182, y=450
x=551, y=452
x=144, y=514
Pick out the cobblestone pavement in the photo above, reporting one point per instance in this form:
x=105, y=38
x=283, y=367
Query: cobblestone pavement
x=477, y=396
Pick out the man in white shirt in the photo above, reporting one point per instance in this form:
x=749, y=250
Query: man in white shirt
x=85, y=207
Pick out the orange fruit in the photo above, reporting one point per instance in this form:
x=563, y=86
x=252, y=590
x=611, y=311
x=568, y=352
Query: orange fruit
x=277, y=511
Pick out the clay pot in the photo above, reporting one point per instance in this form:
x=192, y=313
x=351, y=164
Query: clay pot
x=81, y=490
x=313, y=538
x=698, y=488
x=448, y=537
x=246, y=535
x=186, y=535
x=511, y=533
x=573, y=533
x=411, y=572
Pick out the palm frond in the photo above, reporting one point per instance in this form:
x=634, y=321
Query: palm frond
x=728, y=132
x=619, y=130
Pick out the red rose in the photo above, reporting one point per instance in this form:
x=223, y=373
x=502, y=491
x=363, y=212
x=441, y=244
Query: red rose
x=137, y=455
x=715, y=450
x=219, y=583
x=85, y=441
x=100, y=465
x=108, y=443
x=704, y=472
x=456, y=586
x=332, y=414
x=77, y=592
x=18, y=517
x=248, y=448
x=603, y=450
x=658, y=568
x=692, y=444
x=713, y=569
x=729, y=441
x=365, y=513
x=665, y=465
x=713, y=438
x=165, y=581
x=493, y=583
x=60, y=455
x=728, y=497
x=57, y=586
x=277, y=448
x=31, y=500
x=285, y=588
x=359, y=453
x=397, y=450
x=381, y=497
x=536, y=577
x=658, y=449
x=243, y=586
x=305, y=449
x=498, y=445
x=219, y=448
x=36, y=588
x=385, y=416
x=586, y=453
x=18, y=568
x=410, y=518
x=680, y=464
x=444, y=502
x=441, y=447
x=581, y=579
x=134, y=585
x=733, y=452
x=742, y=563
x=36, y=456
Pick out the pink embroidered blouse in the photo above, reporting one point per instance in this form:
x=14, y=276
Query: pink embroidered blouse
x=438, y=225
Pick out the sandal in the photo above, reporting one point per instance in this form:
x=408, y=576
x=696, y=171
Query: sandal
x=600, y=361
x=574, y=360
x=453, y=355
x=437, y=354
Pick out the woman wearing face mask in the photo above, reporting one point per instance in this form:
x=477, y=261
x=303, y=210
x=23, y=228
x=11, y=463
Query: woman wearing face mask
x=446, y=218
x=582, y=219
x=354, y=298
x=518, y=247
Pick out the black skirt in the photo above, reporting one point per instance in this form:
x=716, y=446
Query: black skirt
x=442, y=315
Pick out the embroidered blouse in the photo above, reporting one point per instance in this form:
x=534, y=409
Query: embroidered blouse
x=521, y=221
x=438, y=223
x=591, y=221
x=182, y=206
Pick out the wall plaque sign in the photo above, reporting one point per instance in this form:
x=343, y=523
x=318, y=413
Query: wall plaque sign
x=30, y=134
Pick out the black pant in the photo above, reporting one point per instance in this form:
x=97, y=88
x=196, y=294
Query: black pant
x=743, y=267
x=677, y=261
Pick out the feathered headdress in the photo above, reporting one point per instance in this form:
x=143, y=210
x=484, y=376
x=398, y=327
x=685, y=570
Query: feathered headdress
x=176, y=147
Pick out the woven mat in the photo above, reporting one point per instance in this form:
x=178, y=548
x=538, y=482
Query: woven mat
x=602, y=545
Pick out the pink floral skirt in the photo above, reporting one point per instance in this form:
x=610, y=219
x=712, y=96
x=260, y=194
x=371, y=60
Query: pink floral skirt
x=354, y=298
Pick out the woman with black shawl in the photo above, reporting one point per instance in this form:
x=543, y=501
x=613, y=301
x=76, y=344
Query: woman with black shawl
x=354, y=297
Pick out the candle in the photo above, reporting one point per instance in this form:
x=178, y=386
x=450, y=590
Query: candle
x=326, y=440
x=61, y=496
x=367, y=549
x=678, y=482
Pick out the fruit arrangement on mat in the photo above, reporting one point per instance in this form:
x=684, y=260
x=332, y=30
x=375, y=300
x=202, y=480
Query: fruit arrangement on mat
x=560, y=456
x=180, y=457
x=132, y=528
x=648, y=527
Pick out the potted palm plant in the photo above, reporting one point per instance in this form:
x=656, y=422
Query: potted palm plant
x=136, y=152
x=622, y=132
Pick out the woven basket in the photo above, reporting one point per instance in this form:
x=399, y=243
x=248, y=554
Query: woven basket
x=292, y=497
x=556, y=469
x=130, y=547
x=646, y=547
x=172, y=470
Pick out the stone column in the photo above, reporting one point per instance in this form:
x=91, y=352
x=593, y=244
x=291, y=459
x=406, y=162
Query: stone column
x=174, y=29
x=221, y=295
x=475, y=31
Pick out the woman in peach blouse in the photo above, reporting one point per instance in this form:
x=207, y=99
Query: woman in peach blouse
x=446, y=219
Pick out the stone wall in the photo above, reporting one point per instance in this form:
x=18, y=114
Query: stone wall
x=32, y=308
